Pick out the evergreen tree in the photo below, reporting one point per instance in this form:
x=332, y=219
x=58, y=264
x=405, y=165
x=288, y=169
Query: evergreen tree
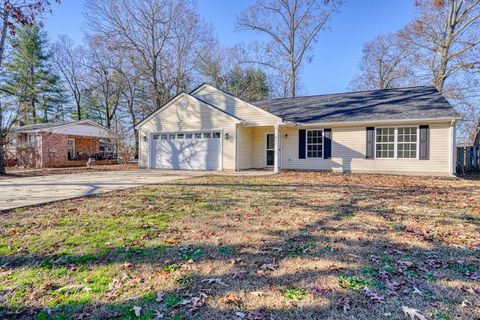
x=28, y=76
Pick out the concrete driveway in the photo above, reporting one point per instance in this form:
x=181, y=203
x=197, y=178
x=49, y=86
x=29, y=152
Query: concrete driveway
x=21, y=192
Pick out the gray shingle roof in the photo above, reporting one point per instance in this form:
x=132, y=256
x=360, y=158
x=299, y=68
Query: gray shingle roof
x=39, y=126
x=374, y=105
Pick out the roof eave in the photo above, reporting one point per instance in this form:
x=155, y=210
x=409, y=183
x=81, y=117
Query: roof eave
x=373, y=122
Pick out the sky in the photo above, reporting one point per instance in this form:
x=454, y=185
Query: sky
x=336, y=54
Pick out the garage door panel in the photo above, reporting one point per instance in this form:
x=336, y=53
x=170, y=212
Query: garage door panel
x=190, y=154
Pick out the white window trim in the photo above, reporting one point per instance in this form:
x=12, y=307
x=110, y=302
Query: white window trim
x=323, y=144
x=395, y=143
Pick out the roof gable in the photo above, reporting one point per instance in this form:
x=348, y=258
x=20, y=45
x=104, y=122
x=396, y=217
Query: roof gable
x=185, y=95
x=414, y=103
x=234, y=106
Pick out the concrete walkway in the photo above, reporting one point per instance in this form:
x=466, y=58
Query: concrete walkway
x=21, y=192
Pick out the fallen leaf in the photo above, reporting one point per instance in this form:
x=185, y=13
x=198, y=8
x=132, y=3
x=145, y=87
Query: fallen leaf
x=318, y=291
x=239, y=316
x=373, y=296
x=268, y=266
x=232, y=298
x=467, y=304
x=137, y=311
x=258, y=314
x=214, y=281
x=413, y=313
x=343, y=303
x=239, y=274
x=160, y=296
x=258, y=293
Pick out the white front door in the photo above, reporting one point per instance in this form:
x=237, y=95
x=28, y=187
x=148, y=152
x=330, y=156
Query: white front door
x=187, y=150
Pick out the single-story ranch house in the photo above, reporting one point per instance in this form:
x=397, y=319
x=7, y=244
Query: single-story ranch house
x=64, y=144
x=402, y=131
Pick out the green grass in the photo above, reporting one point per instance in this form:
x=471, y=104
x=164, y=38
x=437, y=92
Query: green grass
x=295, y=294
x=355, y=282
x=160, y=246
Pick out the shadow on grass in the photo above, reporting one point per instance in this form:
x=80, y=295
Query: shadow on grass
x=401, y=273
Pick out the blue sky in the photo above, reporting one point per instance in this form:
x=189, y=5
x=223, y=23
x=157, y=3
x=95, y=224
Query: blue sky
x=336, y=54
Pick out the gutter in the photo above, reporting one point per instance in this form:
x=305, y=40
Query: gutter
x=350, y=123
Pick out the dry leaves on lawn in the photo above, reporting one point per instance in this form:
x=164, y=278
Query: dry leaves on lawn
x=413, y=313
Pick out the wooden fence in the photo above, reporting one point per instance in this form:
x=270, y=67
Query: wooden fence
x=468, y=159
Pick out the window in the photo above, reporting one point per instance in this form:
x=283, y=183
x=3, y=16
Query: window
x=164, y=137
x=198, y=135
x=171, y=136
x=12, y=142
x=207, y=135
x=314, y=144
x=396, y=143
x=32, y=140
x=180, y=136
x=188, y=136
x=216, y=135
x=155, y=137
x=385, y=143
x=71, y=149
x=407, y=143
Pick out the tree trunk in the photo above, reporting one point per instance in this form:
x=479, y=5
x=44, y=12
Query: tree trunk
x=136, y=142
x=2, y=155
x=79, y=111
x=293, y=80
x=2, y=139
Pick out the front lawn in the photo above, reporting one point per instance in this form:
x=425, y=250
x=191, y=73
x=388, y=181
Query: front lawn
x=287, y=246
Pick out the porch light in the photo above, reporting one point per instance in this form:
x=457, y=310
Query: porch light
x=144, y=138
x=286, y=135
x=227, y=136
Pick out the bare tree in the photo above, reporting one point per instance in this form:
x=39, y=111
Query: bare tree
x=106, y=84
x=443, y=38
x=384, y=64
x=164, y=37
x=69, y=61
x=292, y=27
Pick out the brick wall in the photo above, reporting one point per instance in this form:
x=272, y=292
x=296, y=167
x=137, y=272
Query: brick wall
x=54, y=149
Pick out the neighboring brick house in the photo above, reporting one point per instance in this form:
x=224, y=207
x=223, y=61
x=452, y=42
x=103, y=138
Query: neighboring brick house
x=60, y=144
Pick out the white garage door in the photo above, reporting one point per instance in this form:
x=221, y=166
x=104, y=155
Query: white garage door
x=187, y=150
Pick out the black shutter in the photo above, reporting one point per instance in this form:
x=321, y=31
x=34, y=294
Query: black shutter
x=424, y=142
x=327, y=140
x=370, y=142
x=301, y=143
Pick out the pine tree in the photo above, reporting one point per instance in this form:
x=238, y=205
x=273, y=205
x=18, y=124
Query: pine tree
x=28, y=76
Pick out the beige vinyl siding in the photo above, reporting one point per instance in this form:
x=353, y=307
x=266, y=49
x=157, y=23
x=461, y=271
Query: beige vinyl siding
x=252, y=115
x=244, y=151
x=348, y=153
x=196, y=116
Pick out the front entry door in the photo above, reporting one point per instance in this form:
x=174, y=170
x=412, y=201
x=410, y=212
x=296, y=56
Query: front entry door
x=270, y=149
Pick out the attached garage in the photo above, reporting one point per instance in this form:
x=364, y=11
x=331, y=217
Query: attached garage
x=189, y=134
x=201, y=150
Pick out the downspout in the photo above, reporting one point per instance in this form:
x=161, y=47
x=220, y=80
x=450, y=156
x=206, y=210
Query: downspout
x=236, y=147
x=453, y=149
